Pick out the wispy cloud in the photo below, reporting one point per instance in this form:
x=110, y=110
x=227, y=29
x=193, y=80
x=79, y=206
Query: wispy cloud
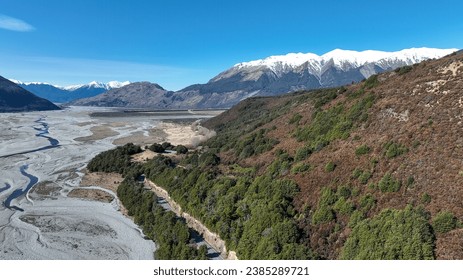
x=14, y=24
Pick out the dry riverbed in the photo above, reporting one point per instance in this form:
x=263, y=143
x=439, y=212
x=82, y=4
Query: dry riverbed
x=66, y=215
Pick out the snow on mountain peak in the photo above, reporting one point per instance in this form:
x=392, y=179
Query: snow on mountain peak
x=343, y=59
x=290, y=59
x=18, y=82
x=419, y=54
x=95, y=84
x=353, y=58
x=117, y=84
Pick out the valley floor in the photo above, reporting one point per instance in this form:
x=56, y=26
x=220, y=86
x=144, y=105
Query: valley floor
x=45, y=212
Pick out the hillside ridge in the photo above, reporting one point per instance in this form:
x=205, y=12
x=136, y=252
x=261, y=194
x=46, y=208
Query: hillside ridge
x=403, y=148
x=13, y=98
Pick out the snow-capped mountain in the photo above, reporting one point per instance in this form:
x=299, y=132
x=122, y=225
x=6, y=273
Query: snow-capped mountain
x=61, y=94
x=95, y=84
x=276, y=75
x=341, y=60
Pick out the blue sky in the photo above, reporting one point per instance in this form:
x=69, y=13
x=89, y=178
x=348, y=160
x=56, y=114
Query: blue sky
x=177, y=43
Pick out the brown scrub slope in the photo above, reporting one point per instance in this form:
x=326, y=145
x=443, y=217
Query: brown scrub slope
x=411, y=130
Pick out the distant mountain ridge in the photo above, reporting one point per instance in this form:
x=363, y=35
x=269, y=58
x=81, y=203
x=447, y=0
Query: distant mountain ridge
x=281, y=74
x=344, y=59
x=95, y=84
x=61, y=94
x=14, y=98
x=274, y=75
x=136, y=95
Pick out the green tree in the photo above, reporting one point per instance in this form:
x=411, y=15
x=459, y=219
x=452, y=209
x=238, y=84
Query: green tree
x=391, y=235
x=157, y=148
x=167, y=146
x=364, y=177
x=180, y=149
x=444, y=222
x=362, y=150
x=303, y=153
x=393, y=149
x=208, y=159
x=426, y=198
x=330, y=166
x=389, y=183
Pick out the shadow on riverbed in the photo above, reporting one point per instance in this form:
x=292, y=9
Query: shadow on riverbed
x=30, y=151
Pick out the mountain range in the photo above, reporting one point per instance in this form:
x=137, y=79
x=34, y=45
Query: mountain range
x=14, y=98
x=60, y=94
x=273, y=75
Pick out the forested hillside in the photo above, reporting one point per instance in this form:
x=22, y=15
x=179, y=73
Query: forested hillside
x=368, y=171
x=376, y=164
